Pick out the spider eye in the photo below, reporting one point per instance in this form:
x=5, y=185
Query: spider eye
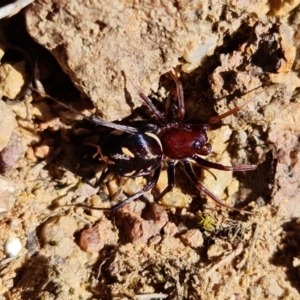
x=197, y=144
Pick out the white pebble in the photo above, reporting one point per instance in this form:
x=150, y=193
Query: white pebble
x=13, y=246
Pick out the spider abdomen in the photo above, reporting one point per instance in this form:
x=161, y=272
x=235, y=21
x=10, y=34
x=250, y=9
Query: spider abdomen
x=131, y=155
x=180, y=143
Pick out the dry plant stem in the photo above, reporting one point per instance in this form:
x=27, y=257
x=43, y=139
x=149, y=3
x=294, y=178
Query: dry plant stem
x=100, y=267
x=252, y=245
x=7, y=261
x=151, y=296
x=45, y=162
x=55, y=214
x=226, y=260
x=144, y=296
x=82, y=219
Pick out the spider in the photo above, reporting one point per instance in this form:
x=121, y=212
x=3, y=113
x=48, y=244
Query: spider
x=132, y=152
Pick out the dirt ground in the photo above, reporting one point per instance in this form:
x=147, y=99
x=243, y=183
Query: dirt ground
x=53, y=245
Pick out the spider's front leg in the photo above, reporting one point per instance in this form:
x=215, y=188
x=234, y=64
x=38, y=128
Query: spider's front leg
x=220, y=117
x=208, y=164
x=180, y=97
x=193, y=177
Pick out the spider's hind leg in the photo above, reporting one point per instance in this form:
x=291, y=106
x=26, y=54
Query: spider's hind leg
x=146, y=188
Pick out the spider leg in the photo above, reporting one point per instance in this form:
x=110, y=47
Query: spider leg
x=117, y=206
x=98, y=151
x=218, y=118
x=193, y=177
x=159, y=116
x=146, y=188
x=92, y=119
x=180, y=96
x=232, y=111
x=171, y=180
x=208, y=164
x=103, y=175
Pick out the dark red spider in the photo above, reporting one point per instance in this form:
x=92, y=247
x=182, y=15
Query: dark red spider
x=133, y=152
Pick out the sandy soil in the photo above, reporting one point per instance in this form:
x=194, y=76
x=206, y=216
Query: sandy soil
x=226, y=54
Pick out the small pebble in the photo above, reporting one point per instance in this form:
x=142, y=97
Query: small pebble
x=43, y=151
x=192, y=238
x=271, y=287
x=9, y=191
x=13, y=246
x=12, y=79
x=90, y=240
